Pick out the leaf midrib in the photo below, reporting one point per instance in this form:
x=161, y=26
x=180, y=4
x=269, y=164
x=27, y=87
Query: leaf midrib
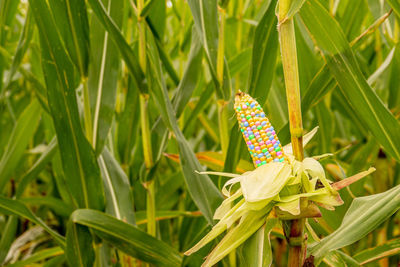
x=81, y=172
x=358, y=86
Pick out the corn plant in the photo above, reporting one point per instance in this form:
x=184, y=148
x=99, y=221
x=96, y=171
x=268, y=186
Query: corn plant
x=199, y=133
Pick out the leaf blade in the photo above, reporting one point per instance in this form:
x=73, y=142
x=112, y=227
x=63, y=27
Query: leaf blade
x=21, y=135
x=353, y=85
x=16, y=207
x=79, y=163
x=127, y=238
x=369, y=211
x=103, y=75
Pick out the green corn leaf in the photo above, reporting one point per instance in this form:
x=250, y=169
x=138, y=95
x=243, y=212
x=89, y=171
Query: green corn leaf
x=38, y=88
x=79, y=251
x=352, y=18
x=117, y=188
x=320, y=85
x=234, y=150
x=200, y=106
x=344, y=68
x=203, y=191
x=125, y=50
x=37, y=167
x=127, y=126
x=205, y=18
x=249, y=224
x=103, y=74
x=15, y=207
x=141, y=216
x=390, y=248
x=8, y=11
x=23, y=44
x=394, y=83
x=79, y=162
x=326, y=123
x=265, y=182
x=346, y=110
x=39, y=256
x=167, y=62
x=257, y=250
x=156, y=18
x=57, y=205
x=147, y=7
x=56, y=261
x=8, y=236
x=127, y=238
x=339, y=259
x=396, y=7
x=265, y=49
x=12, y=222
x=369, y=211
x=185, y=88
x=190, y=77
x=72, y=23
x=295, y=6
x=21, y=134
x=240, y=62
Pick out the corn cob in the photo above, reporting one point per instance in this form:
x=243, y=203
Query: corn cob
x=261, y=139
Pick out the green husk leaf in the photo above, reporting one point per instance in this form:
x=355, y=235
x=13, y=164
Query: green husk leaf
x=265, y=182
x=248, y=225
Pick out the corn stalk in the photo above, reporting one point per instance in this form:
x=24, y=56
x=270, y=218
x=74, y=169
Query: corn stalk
x=290, y=69
x=144, y=121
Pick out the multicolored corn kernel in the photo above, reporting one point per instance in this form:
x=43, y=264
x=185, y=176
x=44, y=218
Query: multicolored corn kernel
x=261, y=139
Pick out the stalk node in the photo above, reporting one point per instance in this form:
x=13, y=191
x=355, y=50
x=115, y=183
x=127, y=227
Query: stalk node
x=296, y=241
x=297, y=132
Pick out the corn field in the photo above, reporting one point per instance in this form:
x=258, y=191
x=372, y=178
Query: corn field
x=199, y=133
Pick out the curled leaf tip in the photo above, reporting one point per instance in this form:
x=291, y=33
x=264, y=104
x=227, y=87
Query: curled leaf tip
x=352, y=179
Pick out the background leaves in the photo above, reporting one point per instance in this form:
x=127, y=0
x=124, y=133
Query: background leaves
x=71, y=140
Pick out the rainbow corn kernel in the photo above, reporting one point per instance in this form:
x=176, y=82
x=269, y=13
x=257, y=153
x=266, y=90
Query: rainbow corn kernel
x=261, y=139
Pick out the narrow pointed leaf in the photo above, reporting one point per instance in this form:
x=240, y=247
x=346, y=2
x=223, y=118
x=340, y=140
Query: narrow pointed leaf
x=369, y=211
x=185, y=88
x=79, y=162
x=295, y=6
x=71, y=19
x=103, y=74
x=126, y=52
x=127, y=238
x=205, y=18
x=15, y=207
x=39, y=256
x=190, y=77
x=37, y=167
x=257, y=250
x=237, y=235
x=8, y=236
x=343, y=65
x=265, y=49
x=79, y=249
x=395, y=5
x=23, y=44
x=57, y=205
x=390, y=248
x=117, y=188
x=204, y=193
x=141, y=216
x=21, y=134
